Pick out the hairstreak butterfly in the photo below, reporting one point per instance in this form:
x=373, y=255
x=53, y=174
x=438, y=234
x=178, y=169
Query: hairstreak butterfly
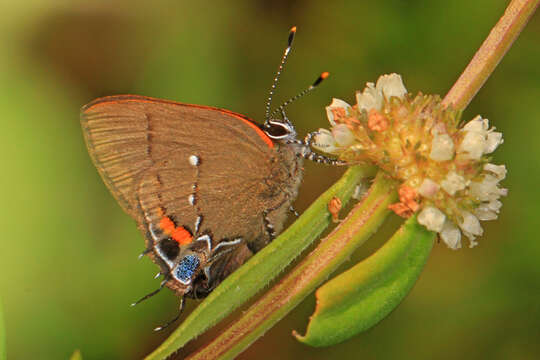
x=208, y=187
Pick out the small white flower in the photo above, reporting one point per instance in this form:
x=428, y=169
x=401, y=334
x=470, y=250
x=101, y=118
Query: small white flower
x=451, y=235
x=453, y=183
x=494, y=139
x=473, y=145
x=488, y=210
x=498, y=170
x=373, y=95
x=343, y=135
x=470, y=226
x=324, y=141
x=477, y=125
x=442, y=148
x=428, y=188
x=479, y=139
x=483, y=213
x=391, y=85
x=334, y=141
x=432, y=218
x=336, y=104
x=494, y=205
x=369, y=99
x=487, y=189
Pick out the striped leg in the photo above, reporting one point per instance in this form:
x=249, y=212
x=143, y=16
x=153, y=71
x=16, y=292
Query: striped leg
x=307, y=153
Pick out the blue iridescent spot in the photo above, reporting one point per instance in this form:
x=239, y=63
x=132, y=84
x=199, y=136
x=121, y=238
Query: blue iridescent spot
x=186, y=268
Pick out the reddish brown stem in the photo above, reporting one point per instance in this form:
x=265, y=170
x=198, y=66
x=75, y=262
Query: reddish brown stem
x=499, y=40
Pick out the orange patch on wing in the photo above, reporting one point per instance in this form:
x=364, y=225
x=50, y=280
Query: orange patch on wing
x=181, y=236
x=167, y=225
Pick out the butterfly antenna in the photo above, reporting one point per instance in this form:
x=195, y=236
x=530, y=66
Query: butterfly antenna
x=278, y=73
x=282, y=107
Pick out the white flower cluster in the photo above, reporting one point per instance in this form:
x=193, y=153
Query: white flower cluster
x=484, y=190
x=373, y=96
x=445, y=174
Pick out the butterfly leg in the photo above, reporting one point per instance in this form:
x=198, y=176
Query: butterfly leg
x=145, y=252
x=293, y=210
x=227, y=247
x=268, y=224
x=305, y=151
x=203, y=288
x=181, y=307
x=270, y=230
x=147, y=296
x=200, y=291
x=223, y=248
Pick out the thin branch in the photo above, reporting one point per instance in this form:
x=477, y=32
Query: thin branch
x=499, y=40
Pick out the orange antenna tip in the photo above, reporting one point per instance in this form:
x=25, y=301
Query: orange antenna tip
x=321, y=77
x=292, y=32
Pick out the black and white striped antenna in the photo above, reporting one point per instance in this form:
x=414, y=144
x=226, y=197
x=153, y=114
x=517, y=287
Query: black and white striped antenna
x=292, y=32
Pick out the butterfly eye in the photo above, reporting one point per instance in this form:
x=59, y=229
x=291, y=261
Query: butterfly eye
x=186, y=268
x=279, y=130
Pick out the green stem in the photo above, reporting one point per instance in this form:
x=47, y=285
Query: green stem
x=361, y=223
x=499, y=40
x=256, y=273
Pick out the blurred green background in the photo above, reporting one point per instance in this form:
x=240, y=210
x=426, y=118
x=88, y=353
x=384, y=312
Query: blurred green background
x=68, y=263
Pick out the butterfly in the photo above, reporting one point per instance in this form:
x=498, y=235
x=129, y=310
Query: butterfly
x=207, y=187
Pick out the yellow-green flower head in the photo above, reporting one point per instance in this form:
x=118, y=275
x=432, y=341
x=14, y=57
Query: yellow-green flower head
x=441, y=162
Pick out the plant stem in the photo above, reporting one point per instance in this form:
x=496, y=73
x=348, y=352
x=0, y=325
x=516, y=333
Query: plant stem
x=499, y=40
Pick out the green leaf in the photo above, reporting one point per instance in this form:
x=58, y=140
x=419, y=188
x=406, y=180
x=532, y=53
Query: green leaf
x=256, y=273
x=3, y=353
x=362, y=296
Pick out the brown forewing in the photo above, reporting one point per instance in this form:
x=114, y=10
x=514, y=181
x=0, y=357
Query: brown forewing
x=141, y=148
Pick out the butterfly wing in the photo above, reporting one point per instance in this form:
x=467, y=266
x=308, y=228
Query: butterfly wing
x=144, y=150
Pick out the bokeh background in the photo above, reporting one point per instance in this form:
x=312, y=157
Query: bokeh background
x=68, y=254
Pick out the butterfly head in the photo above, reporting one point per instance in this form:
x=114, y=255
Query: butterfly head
x=281, y=130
